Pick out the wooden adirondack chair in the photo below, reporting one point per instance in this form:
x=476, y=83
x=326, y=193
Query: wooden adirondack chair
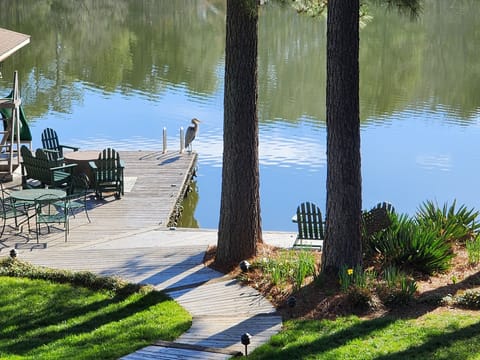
x=108, y=173
x=388, y=206
x=310, y=227
x=48, y=173
x=50, y=142
x=376, y=219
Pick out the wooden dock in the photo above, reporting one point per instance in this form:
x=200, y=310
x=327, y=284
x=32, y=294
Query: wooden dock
x=155, y=185
x=130, y=238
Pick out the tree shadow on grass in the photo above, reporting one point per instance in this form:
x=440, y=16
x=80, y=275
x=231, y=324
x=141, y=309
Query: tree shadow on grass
x=50, y=335
x=326, y=343
x=57, y=310
x=325, y=296
x=429, y=349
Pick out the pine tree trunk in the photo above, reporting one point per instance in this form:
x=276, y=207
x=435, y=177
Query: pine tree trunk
x=240, y=225
x=342, y=244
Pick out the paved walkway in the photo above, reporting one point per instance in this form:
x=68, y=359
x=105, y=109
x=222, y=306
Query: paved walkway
x=171, y=260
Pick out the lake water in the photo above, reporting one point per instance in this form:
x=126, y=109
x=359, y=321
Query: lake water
x=116, y=72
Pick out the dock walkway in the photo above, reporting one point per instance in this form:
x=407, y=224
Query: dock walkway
x=129, y=238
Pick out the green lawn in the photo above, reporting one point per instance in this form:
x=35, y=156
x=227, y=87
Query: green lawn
x=449, y=335
x=44, y=320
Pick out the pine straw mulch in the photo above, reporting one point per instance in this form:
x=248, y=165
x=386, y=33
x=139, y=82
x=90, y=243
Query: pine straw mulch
x=323, y=299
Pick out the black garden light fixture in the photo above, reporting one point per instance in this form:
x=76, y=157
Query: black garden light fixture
x=244, y=265
x=291, y=302
x=245, y=338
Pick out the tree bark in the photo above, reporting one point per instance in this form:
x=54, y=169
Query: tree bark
x=239, y=227
x=343, y=244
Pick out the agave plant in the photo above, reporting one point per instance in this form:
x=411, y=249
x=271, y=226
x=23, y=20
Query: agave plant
x=396, y=287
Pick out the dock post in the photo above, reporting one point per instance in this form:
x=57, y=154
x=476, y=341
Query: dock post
x=182, y=140
x=164, y=140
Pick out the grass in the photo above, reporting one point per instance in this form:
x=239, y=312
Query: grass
x=442, y=335
x=44, y=319
x=416, y=319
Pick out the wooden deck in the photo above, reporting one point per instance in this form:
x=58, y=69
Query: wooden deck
x=10, y=42
x=155, y=185
x=130, y=238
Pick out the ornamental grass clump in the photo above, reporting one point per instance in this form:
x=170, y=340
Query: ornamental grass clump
x=305, y=268
x=473, y=250
x=289, y=267
x=345, y=278
x=354, y=277
x=396, y=288
x=357, y=284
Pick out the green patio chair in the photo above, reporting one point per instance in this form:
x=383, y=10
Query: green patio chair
x=49, y=209
x=11, y=210
x=78, y=196
x=108, y=173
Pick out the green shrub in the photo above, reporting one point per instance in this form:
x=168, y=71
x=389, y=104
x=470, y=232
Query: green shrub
x=288, y=267
x=359, y=297
x=396, y=288
x=345, y=278
x=447, y=222
x=275, y=269
x=357, y=284
x=411, y=247
x=473, y=250
x=355, y=277
x=391, y=276
x=305, y=268
x=469, y=299
x=387, y=245
x=17, y=268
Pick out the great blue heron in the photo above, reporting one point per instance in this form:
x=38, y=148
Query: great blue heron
x=191, y=133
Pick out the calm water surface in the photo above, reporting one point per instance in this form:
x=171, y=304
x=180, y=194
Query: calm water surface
x=115, y=73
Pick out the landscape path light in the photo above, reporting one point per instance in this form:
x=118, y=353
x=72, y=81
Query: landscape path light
x=245, y=338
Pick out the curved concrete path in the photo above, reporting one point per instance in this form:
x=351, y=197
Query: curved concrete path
x=171, y=260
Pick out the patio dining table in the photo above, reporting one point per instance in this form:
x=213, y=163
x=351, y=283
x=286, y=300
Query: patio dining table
x=82, y=158
x=33, y=194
